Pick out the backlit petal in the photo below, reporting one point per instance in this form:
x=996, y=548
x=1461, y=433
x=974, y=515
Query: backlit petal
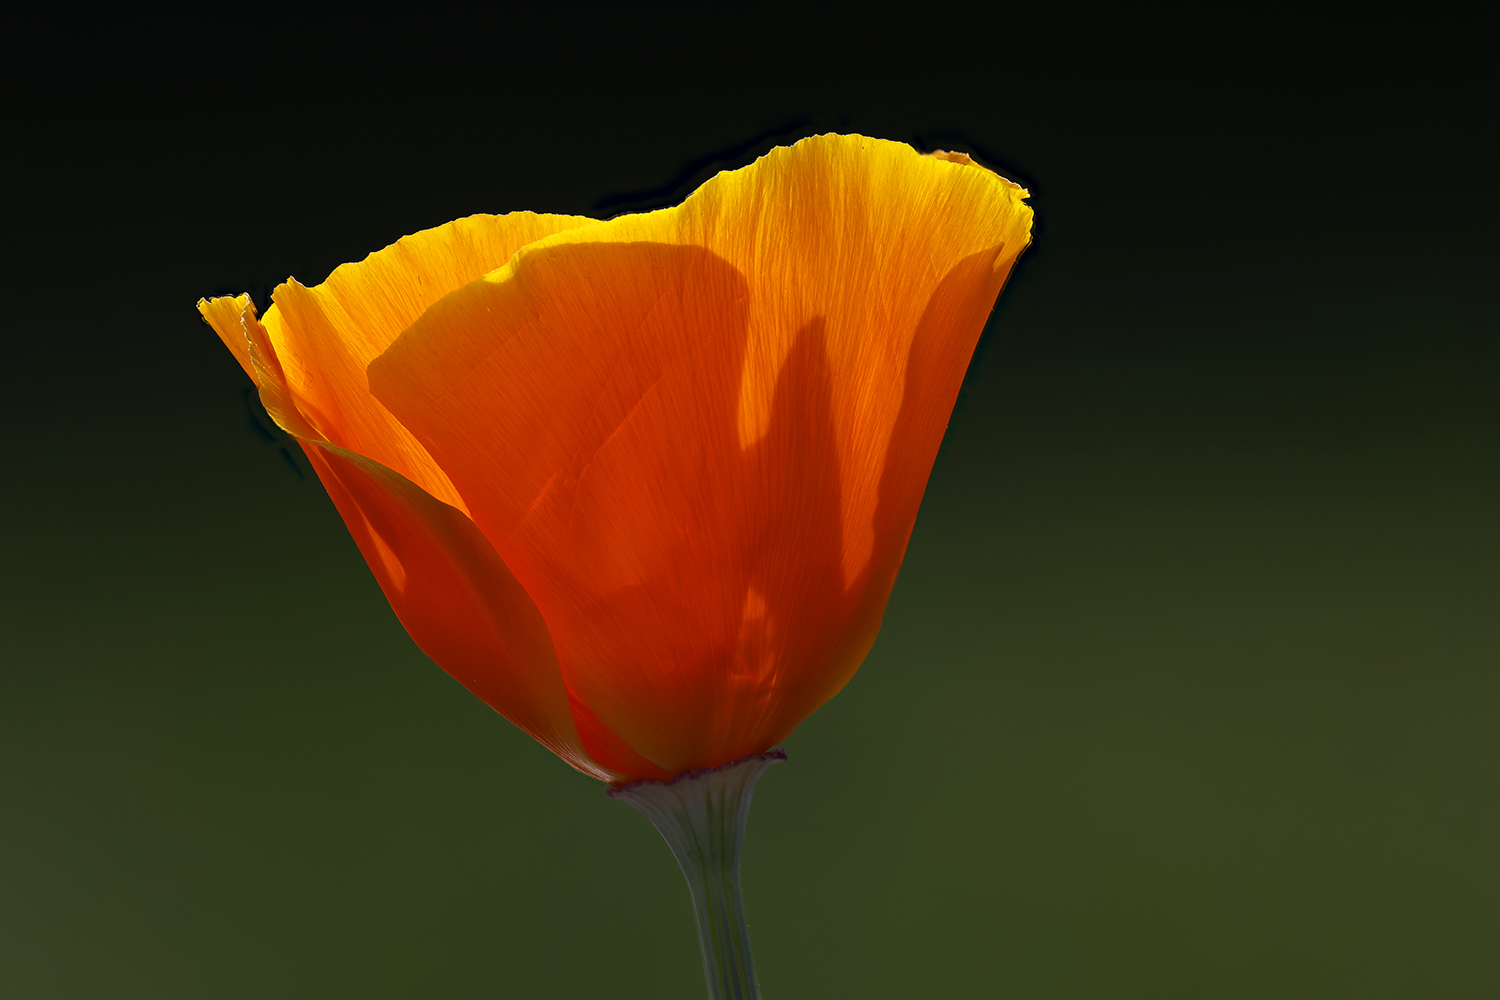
x=327, y=335
x=857, y=232
x=455, y=597
x=443, y=578
x=700, y=436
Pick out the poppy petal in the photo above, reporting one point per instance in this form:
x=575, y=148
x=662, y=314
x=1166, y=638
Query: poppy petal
x=858, y=232
x=327, y=335
x=443, y=578
x=678, y=429
x=547, y=390
x=456, y=597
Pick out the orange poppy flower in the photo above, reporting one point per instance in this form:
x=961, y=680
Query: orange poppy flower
x=644, y=485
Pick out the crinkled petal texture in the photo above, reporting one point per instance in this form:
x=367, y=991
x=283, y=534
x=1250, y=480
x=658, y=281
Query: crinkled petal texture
x=699, y=437
x=444, y=579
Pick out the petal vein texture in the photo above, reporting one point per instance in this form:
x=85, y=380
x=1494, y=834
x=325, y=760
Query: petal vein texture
x=443, y=578
x=699, y=437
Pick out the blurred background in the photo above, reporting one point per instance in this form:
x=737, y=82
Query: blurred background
x=1188, y=686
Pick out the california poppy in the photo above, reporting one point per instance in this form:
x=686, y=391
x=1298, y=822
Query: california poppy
x=644, y=485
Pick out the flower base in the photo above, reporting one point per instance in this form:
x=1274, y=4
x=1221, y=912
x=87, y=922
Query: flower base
x=702, y=815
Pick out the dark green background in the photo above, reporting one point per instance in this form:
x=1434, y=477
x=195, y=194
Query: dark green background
x=1188, y=687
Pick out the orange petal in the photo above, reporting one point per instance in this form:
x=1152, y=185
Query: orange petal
x=326, y=336
x=700, y=436
x=858, y=232
x=456, y=597
x=445, y=582
x=234, y=320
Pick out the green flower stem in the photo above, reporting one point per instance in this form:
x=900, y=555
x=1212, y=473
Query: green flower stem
x=701, y=815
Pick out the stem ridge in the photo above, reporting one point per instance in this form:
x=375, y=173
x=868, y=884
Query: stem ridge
x=702, y=816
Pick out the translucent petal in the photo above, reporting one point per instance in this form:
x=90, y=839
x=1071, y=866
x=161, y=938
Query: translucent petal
x=699, y=437
x=443, y=578
x=327, y=335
